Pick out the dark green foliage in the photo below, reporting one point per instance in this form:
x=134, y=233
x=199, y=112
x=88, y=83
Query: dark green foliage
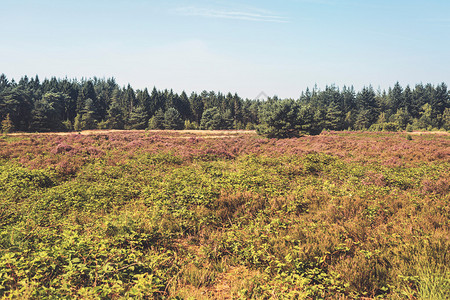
x=88, y=115
x=213, y=119
x=145, y=101
x=49, y=112
x=363, y=120
x=115, y=118
x=128, y=101
x=396, y=98
x=156, y=102
x=197, y=107
x=181, y=104
x=87, y=92
x=310, y=122
x=138, y=118
x=56, y=104
x=333, y=118
x=44, y=117
x=172, y=119
x=367, y=107
x=157, y=121
x=18, y=103
x=287, y=119
x=279, y=119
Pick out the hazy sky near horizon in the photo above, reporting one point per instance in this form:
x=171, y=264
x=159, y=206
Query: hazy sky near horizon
x=278, y=47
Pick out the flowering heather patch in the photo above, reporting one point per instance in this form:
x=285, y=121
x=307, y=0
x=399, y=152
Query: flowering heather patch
x=222, y=214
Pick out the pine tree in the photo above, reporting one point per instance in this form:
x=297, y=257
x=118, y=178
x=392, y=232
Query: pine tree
x=183, y=106
x=227, y=120
x=197, y=107
x=307, y=120
x=115, y=116
x=138, y=118
x=144, y=100
x=363, y=120
x=45, y=116
x=172, y=119
x=333, y=118
x=367, y=108
x=280, y=119
x=18, y=103
x=88, y=114
x=396, y=98
x=87, y=92
x=129, y=101
x=439, y=103
x=70, y=89
x=157, y=121
x=419, y=98
x=407, y=99
x=4, y=83
x=154, y=103
x=211, y=119
x=237, y=107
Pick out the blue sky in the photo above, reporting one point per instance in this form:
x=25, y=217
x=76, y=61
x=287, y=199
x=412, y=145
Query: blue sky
x=279, y=47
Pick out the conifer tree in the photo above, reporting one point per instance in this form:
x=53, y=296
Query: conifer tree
x=280, y=119
x=363, y=120
x=211, y=119
x=88, y=120
x=115, y=116
x=46, y=117
x=138, y=118
x=396, y=98
x=333, y=118
x=157, y=121
x=87, y=92
x=367, y=108
x=197, y=107
x=144, y=100
x=172, y=119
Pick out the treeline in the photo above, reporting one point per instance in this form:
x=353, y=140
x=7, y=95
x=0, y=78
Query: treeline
x=426, y=107
x=65, y=104
x=70, y=104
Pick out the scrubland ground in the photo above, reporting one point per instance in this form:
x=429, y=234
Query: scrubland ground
x=223, y=215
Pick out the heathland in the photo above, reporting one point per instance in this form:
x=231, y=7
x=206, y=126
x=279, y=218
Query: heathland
x=224, y=214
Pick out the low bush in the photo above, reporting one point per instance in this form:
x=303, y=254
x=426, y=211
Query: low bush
x=166, y=215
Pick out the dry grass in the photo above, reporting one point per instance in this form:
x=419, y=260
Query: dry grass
x=190, y=133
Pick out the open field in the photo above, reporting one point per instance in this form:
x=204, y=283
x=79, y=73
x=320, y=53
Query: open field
x=165, y=214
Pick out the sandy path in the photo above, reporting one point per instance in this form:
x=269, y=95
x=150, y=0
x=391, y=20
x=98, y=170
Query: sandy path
x=203, y=133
